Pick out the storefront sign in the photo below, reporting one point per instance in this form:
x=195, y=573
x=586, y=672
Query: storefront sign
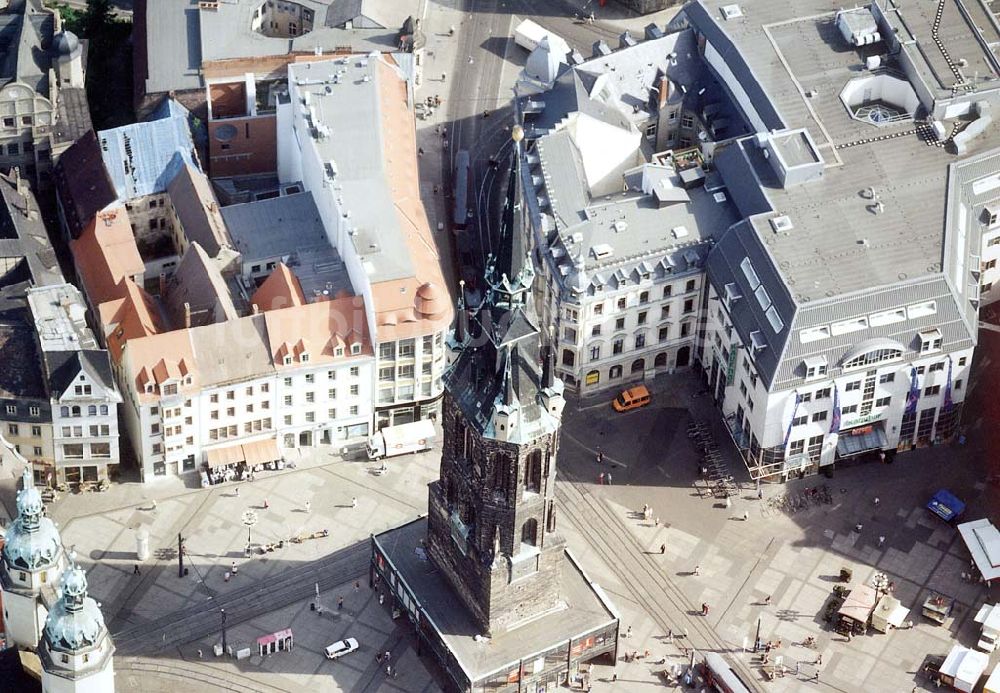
x=861, y=420
x=731, y=367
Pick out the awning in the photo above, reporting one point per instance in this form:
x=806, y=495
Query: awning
x=272, y=637
x=945, y=505
x=865, y=439
x=965, y=666
x=225, y=456
x=983, y=541
x=889, y=612
x=859, y=604
x=261, y=451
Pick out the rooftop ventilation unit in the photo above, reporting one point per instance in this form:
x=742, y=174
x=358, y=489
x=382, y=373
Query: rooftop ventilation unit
x=782, y=224
x=602, y=251
x=679, y=231
x=731, y=12
x=620, y=225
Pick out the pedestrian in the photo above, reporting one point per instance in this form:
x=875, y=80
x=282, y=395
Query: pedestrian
x=236, y=491
x=235, y=568
x=657, y=521
x=767, y=600
x=600, y=456
x=340, y=603
x=266, y=504
x=767, y=648
x=881, y=539
x=354, y=501
x=663, y=549
x=760, y=494
x=135, y=569
x=819, y=660
x=607, y=478
x=387, y=655
x=420, y=151
x=876, y=501
x=704, y=609
x=697, y=570
x=308, y=506
x=226, y=576
x=746, y=516
x=200, y=654
x=600, y=479
x=729, y=502
x=857, y=528
x=357, y=585
x=444, y=76
x=471, y=61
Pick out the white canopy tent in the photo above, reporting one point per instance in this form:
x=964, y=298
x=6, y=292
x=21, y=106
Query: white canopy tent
x=983, y=542
x=964, y=667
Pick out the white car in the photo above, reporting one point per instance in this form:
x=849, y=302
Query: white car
x=341, y=647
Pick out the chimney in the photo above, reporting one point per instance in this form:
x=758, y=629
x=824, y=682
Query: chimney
x=255, y=308
x=664, y=91
x=187, y=314
x=163, y=285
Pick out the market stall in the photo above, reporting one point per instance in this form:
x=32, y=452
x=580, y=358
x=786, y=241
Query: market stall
x=223, y=463
x=963, y=668
x=937, y=607
x=852, y=618
x=888, y=613
x=280, y=641
x=946, y=505
x=983, y=542
x=993, y=682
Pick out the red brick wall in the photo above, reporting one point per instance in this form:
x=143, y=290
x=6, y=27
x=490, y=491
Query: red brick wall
x=253, y=148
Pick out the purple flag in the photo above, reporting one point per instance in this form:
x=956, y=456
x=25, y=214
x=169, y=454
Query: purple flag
x=835, y=422
x=914, y=394
x=948, y=404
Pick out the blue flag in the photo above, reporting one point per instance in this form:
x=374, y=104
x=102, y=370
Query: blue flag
x=913, y=396
x=795, y=410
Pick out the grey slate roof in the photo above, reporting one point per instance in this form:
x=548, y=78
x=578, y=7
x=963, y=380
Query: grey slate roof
x=72, y=115
x=170, y=54
x=142, y=158
x=23, y=234
x=288, y=227
x=25, y=37
x=197, y=209
x=63, y=367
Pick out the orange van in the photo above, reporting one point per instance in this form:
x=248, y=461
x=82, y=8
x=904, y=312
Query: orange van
x=632, y=398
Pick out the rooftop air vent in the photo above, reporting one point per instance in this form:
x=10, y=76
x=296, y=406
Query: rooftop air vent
x=602, y=251
x=782, y=224
x=679, y=231
x=731, y=12
x=620, y=225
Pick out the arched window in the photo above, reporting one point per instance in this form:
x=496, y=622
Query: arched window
x=64, y=411
x=568, y=358
x=661, y=360
x=874, y=356
x=683, y=356
x=533, y=472
x=593, y=377
x=499, y=472
x=529, y=532
x=76, y=411
x=92, y=410
x=638, y=366
x=550, y=522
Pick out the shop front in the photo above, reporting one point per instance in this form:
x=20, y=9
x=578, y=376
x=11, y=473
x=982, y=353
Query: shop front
x=222, y=464
x=857, y=441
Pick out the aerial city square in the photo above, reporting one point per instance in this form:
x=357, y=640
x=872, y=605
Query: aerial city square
x=499, y=346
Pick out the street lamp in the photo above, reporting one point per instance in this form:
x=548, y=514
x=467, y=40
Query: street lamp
x=249, y=520
x=880, y=581
x=223, y=612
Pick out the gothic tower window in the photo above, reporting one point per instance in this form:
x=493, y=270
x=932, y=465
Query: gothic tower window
x=533, y=472
x=529, y=532
x=500, y=473
x=550, y=524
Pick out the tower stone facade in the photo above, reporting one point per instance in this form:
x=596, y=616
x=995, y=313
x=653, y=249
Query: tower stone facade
x=492, y=515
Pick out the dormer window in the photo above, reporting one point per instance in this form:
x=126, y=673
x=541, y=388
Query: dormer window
x=930, y=340
x=304, y=358
x=355, y=349
x=815, y=367
x=149, y=388
x=732, y=294
x=757, y=341
x=339, y=351
x=288, y=360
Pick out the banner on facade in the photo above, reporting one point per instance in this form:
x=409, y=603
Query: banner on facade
x=913, y=396
x=791, y=421
x=948, y=404
x=835, y=419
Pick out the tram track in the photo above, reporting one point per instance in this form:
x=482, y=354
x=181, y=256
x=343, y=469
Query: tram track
x=644, y=580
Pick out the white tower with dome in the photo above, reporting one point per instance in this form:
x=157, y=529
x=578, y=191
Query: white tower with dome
x=76, y=650
x=31, y=563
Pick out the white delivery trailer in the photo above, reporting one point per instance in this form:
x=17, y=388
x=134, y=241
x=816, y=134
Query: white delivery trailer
x=402, y=439
x=528, y=35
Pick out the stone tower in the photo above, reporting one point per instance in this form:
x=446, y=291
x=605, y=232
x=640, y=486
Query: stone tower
x=492, y=517
x=31, y=563
x=76, y=649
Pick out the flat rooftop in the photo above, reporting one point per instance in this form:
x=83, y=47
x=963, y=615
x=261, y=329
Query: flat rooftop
x=346, y=95
x=841, y=239
x=289, y=227
x=584, y=610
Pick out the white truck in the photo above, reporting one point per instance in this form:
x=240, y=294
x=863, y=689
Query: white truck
x=528, y=35
x=402, y=439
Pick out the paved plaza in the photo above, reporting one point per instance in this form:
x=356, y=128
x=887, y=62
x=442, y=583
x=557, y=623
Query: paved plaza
x=162, y=622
